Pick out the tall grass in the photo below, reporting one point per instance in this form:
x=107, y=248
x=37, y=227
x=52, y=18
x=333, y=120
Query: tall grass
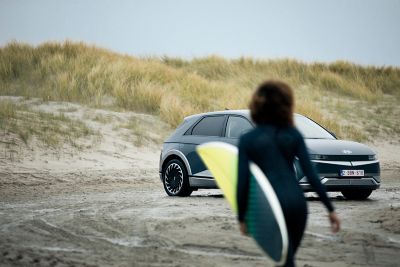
x=174, y=88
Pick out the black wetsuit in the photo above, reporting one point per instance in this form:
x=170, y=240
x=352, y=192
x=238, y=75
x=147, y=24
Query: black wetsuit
x=273, y=149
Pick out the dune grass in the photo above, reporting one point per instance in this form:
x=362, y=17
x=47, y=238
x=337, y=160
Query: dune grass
x=52, y=130
x=174, y=88
x=143, y=131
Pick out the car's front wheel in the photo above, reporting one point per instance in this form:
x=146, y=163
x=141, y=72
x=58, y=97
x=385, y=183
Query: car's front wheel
x=175, y=179
x=356, y=194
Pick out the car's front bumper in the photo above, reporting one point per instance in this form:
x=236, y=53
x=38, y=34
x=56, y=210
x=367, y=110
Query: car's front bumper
x=329, y=174
x=338, y=184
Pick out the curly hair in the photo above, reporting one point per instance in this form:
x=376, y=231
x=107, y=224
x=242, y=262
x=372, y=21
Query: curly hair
x=273, y=103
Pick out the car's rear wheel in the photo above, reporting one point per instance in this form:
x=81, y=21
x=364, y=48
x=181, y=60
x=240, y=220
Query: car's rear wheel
x=175, y=179
x=356, y=194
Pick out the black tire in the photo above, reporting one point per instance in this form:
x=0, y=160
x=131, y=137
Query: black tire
x=356, y=194
x=175, y=179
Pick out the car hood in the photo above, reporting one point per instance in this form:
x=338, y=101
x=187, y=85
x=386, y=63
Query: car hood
x=337, y=147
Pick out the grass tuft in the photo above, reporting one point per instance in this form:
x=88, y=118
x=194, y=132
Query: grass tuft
x=52, y=130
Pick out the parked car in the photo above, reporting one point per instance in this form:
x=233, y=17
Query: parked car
x=343, y=166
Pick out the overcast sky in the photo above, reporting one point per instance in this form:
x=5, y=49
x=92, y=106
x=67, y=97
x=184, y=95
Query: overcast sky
x=360, y=31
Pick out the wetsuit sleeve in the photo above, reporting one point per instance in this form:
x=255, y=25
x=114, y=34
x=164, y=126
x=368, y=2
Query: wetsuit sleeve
x=311, y=174
x=243, y=181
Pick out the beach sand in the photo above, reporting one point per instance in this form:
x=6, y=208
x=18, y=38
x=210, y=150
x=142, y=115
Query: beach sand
x=106, y=206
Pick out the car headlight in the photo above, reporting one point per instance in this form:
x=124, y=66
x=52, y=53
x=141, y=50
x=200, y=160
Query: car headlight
x=371, y=157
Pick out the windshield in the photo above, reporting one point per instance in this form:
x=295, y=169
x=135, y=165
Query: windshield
x=310, y=129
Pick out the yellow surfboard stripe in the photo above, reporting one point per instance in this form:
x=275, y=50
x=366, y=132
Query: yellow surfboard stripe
x=222, y=161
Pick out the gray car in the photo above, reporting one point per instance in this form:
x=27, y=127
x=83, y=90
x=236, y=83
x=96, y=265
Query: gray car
x=344, y=166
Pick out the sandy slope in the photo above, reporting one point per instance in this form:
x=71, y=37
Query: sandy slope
x=106, y=206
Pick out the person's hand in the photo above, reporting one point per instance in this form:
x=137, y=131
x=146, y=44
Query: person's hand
x=243, y=228
x=335, y=222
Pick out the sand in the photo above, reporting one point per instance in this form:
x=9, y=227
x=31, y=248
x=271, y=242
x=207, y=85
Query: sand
x=105, y=206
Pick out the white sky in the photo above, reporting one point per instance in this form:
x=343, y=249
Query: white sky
x=360, y=31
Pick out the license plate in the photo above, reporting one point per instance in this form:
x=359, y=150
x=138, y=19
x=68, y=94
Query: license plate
x=352, y=173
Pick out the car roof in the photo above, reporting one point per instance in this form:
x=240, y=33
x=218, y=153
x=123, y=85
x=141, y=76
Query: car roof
x=243, y=112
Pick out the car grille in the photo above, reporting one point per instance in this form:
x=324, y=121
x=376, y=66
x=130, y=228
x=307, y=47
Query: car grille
x=346, y=157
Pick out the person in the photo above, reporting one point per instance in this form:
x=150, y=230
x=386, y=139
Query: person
x=273, y=146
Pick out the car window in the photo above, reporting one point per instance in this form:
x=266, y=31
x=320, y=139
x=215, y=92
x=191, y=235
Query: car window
x=209, y=126
x=237, y=126
x=310, y=129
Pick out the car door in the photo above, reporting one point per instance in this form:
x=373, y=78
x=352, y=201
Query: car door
x=236, y=126
x=208, y=128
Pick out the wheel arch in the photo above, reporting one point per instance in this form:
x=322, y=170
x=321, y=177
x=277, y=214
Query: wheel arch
x=176, y=154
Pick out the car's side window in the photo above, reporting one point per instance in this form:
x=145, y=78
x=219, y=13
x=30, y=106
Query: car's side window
x=237, y=126
x=209, y=126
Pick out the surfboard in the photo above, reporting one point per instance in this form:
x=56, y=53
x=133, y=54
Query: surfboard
x=264, y=217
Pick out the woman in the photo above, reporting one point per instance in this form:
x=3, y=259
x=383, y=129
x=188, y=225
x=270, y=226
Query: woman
x=273, y=145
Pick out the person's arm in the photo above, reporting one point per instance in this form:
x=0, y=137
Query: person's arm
x=311, y=174
x=314, y=181
x=243, y=181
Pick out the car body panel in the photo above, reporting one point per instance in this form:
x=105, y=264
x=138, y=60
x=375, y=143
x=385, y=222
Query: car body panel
x=337, y=147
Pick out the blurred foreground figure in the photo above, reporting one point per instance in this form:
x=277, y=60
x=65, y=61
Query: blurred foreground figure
x=273, y=146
